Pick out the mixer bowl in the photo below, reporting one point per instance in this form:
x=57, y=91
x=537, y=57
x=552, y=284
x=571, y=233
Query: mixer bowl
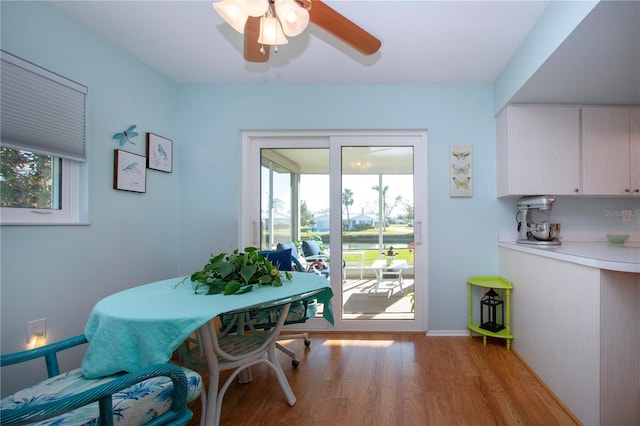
x=545, y=231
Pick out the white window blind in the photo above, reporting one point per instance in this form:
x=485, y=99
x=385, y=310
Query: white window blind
x=41, y=111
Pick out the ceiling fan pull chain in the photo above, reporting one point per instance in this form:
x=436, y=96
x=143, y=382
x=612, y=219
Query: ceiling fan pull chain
x=272, y=12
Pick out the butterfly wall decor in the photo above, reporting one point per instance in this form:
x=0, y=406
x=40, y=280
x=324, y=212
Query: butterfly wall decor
x=461, y=155
x=126, y=135
x=460, y=183
x=461, y=170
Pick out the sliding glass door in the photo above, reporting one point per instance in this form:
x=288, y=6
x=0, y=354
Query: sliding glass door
x=378, y=237
x=346, y=202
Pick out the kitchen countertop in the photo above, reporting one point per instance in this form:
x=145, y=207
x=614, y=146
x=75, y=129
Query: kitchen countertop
x=603, y=255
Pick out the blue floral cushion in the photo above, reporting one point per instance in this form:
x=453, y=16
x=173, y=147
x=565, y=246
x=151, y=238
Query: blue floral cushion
x=135, y=405
x=268, y=317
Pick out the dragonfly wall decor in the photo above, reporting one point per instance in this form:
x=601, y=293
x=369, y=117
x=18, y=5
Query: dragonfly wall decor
x=126, y=135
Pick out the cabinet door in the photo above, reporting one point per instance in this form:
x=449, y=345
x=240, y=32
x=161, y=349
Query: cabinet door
x=605, y=151
x=634, y=151
x=544, y=149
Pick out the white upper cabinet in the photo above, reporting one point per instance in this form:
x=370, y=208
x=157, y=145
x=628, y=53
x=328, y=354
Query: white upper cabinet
x=538, y=150
x=610, y=151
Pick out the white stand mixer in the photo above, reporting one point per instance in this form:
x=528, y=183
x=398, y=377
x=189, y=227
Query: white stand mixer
x=530, y=232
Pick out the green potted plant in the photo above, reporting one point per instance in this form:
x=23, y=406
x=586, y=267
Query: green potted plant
x=412, y=297
x=236, y=272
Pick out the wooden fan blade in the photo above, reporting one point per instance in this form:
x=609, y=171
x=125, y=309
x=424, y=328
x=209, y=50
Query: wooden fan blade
x=334, y=23
x=252, y=49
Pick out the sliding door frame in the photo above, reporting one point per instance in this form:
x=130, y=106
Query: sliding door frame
x=334, y=140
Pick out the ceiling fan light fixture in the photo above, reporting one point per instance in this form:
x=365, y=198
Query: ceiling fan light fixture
x=271, y=32
x=293, y=17
x=253, y=7
x=232, y=13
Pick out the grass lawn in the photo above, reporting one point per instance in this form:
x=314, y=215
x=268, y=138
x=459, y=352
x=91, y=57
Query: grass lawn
x=371, y=254
x=368, y=237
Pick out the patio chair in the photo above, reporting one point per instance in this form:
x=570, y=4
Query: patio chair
x=155, y=395
x=353, y=260
x=317, y=259
x=313, y=263
x=298, y=312
x=289, y=245
x=266, y=319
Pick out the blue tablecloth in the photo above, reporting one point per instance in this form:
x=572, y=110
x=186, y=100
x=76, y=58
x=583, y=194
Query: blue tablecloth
x=143, y=325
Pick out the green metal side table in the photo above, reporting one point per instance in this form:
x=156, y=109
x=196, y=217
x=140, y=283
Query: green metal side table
x=501, y=285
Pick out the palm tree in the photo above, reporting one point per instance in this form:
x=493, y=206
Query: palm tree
x=383, y=198
x=347, y=200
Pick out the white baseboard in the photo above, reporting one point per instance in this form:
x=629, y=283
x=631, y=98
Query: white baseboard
x=448, y=333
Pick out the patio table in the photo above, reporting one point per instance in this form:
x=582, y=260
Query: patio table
x=383, y=270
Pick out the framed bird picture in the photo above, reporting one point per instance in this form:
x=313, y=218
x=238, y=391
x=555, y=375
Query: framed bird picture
x=460, y=176
x=129, y=172
x=159, y=153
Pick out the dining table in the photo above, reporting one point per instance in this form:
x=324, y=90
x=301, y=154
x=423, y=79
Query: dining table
x=145, y=324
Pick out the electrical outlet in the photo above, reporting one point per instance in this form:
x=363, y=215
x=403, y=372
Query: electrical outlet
x=38, y=328
x=626, y=215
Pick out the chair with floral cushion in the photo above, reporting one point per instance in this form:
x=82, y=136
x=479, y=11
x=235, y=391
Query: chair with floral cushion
x=155, y=395
x=266, y=319
x=191, y=352
x=217, y=350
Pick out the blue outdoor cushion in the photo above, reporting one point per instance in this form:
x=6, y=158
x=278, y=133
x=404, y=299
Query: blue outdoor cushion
x=281, y=259
x=310, y=248
x=290, y=245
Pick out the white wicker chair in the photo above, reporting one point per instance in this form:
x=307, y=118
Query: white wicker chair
x=237, y=351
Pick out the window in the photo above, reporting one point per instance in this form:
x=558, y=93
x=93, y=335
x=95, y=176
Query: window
x=37, y=189
x=43, y=144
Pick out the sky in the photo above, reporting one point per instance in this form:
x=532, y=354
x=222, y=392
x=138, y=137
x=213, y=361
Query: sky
x=365, y=199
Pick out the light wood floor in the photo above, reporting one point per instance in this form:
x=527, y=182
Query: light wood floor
x=395, y=379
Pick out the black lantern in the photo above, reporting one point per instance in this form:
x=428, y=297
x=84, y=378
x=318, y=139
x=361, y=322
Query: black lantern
x=491, y=309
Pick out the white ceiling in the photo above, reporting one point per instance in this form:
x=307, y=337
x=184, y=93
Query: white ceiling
x=422, y=42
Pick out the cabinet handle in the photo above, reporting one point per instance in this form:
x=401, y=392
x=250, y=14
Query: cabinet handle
x=627, y=190
x=636, y=190
x=576, y=190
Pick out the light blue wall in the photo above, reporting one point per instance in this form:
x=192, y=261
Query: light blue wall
x=60, y=272
x=596, y=214
x=462, y=230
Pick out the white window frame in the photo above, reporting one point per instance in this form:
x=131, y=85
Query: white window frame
x=56, y=108
x=69, y=212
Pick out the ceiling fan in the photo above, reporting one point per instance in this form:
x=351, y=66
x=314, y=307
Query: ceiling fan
x=266, y=23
